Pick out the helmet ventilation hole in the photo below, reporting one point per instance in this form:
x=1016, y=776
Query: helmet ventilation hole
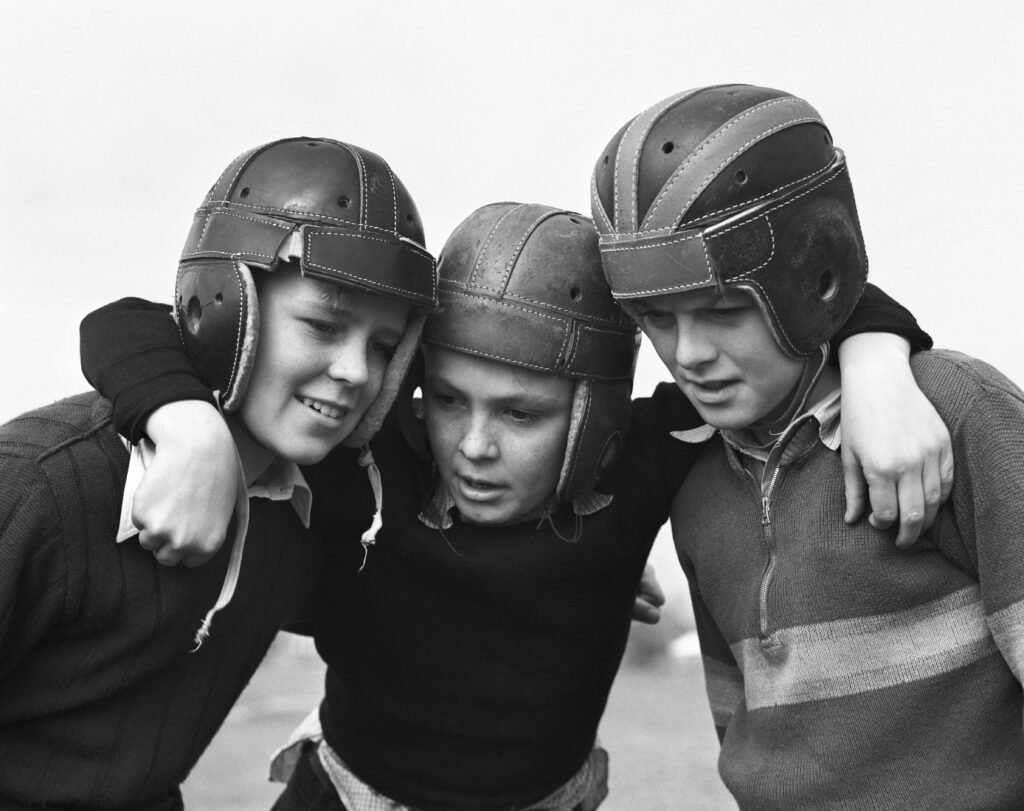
x=575, y=294
x=244, y=192
x=409, y=218
x=574, y=221
x=343, y=201
x=603, y=162
x=827, y=284
x=667, y=147
x=219, y=298
x=741, y=177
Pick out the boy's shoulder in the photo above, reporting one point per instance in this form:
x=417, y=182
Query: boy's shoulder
x=37, y=435
x=955, y=381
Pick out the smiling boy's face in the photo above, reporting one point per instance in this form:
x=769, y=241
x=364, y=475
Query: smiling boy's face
x=498, y=433
x=721, y=353
x=320, y=362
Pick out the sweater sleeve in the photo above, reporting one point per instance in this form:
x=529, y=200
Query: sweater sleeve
x=653, y=464
x=33, y=571
x=987, y=502
x=132, y=354
x=878, y=312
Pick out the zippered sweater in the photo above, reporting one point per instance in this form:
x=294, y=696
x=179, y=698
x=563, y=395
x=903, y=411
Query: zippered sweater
x=844, y=672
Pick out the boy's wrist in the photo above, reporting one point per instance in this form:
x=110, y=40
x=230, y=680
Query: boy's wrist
x=180, y=418
x=869, y=347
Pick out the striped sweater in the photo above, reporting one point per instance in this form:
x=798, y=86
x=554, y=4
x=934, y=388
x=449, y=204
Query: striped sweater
x=842, y=671
x=102, y=704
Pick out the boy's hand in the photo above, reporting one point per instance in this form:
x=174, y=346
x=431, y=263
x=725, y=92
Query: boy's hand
x=894, y=442
x=185, y=500
x=649, y=598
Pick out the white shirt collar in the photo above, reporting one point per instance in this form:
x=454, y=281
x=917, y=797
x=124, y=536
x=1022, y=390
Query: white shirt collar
x=826, y=411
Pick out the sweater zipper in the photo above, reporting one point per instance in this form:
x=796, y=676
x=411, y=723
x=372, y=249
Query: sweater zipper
x=769, y=540
x=765, y=489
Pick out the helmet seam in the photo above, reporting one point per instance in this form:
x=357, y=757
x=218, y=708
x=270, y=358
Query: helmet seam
x=411, y=246
x=242, y=161
x=483, y=250
x=668, y=229
x=635, y=171
x=510, y=264
x=468, y=350
x=703, y=146
x=709, y=141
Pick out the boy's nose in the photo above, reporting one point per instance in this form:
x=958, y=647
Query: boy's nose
x=349, y=363
x=692, y=347
x=478, y=441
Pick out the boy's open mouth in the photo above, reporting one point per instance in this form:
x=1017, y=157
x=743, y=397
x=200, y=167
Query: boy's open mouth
x=326, y=409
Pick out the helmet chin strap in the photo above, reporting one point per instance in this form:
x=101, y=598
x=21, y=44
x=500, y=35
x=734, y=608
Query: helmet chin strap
x=813, y=367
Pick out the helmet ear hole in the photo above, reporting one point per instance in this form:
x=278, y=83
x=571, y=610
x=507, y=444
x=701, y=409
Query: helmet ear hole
x=828, y=284
x=609, y=455
x=193, y=315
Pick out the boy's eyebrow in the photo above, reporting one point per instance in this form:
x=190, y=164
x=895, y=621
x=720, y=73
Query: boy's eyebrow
x=519, y=398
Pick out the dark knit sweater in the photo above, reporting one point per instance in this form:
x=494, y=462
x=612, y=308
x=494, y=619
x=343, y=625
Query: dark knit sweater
x=469, y=668
x=844, y=672
x=102, y=704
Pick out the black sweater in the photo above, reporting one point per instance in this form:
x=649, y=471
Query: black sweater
x=102, y=702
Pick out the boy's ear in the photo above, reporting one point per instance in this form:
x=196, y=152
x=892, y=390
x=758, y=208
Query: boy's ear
x=409, y=409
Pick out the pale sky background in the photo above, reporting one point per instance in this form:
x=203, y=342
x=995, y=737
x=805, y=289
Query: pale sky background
x=117, y=117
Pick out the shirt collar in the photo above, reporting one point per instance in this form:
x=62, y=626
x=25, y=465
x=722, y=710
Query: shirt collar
x=826, y=411
x=437, y=512
x=266, y=476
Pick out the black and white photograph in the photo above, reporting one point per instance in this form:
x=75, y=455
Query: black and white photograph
x=540, y=406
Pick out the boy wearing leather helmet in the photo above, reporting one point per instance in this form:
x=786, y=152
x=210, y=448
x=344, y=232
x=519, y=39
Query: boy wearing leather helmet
x=841, y=671
x=116, y=671
x=472, y=639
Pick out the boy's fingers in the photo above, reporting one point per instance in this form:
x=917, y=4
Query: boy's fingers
x=167, y=555
x=946, y=471
x=933, y=494
x=856, y=490
x=650, y=588
x=149, y=541
x=644, y=612
x=884, y=502
x=911, y=508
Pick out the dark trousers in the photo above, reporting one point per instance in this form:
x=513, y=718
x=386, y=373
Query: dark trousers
x=309, y=788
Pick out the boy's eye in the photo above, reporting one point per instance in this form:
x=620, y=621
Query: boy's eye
x=383, y=348
x=519, y=416
x=321, y=327
x=655, y=318
x=730, y=311
x=442, y=399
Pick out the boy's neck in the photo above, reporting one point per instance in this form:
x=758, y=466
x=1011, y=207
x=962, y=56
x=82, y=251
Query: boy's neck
x=827, y=381
x=254, y=457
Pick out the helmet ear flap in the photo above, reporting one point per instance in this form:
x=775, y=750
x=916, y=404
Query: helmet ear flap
x=599, y=412
x=395, y=375
x=409, y=409
x=821, y=271
x=217, y=312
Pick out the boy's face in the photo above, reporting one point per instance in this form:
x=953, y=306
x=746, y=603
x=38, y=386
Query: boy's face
x=721, y=353
x=319, y=363
x=498, y=433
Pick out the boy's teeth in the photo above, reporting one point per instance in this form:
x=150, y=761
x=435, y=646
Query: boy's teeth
x=323, y=408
